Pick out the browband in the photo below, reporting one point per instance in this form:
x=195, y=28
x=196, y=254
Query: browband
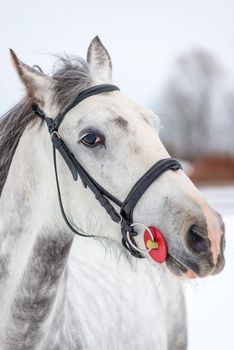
x=54, y=124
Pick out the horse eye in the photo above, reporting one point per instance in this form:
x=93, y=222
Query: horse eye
x=91, y=140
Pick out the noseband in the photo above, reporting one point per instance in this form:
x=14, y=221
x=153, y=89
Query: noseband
x=125, y=217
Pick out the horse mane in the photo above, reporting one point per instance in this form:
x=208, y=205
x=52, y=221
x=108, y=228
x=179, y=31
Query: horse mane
x=71, y=77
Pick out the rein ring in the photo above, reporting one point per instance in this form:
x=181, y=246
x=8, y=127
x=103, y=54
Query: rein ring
x=132, y=244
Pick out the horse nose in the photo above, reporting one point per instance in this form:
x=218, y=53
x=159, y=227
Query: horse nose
x=197, y=239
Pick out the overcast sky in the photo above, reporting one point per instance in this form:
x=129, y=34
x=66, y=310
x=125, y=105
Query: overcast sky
x=143, y=37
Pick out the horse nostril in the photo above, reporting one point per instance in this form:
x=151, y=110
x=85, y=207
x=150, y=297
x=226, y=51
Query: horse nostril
x=197, y=241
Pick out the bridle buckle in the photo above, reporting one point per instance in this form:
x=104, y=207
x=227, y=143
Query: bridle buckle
x=55, y=133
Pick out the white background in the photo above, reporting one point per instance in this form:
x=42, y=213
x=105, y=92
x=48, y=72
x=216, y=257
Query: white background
x=211, y=301
x=143, y=38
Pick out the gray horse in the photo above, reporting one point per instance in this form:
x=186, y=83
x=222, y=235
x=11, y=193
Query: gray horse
x=61, y=291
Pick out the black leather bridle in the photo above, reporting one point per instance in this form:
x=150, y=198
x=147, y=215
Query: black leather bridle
x=125, y=217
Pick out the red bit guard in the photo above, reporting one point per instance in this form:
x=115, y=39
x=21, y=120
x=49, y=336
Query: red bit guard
x=158, y=254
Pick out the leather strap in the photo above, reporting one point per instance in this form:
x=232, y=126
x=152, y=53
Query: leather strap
x=54, y=124
x=67, y=221
x=104, y=197
x=143, y=184
x=77, y=169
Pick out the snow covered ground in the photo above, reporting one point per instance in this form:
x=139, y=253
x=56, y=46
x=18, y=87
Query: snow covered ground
x=210, y=302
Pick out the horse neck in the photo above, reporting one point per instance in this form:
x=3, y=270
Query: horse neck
x=33, y=251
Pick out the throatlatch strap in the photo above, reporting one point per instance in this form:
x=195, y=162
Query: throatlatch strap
x=71, y=227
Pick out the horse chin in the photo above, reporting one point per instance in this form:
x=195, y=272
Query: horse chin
x=190, y=269
x=180, y=269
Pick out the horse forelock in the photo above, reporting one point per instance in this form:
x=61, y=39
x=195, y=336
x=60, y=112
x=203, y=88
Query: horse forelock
x=71, y=77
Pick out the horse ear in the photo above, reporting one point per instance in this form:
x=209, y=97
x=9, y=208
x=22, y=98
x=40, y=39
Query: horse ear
x=99, y=61
x=35, y=82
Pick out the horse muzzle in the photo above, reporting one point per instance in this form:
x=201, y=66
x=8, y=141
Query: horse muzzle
x=196, y=259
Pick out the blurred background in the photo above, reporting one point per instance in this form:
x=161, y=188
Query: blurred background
x=175, y=57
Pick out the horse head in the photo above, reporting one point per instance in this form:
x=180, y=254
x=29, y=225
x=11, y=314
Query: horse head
x=116, y=141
